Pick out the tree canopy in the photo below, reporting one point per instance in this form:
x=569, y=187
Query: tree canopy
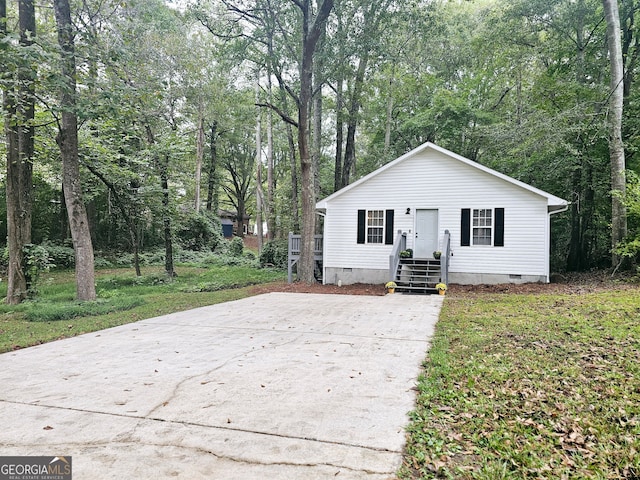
x=167, y=109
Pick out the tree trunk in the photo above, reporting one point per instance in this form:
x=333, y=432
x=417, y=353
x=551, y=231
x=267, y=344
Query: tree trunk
x=166, y=218
x=616, y=147
x=19, y=106
x=293, y=163
x=162, y=164
x=67, y=140
x=259, y=198
x=337, y=172
x=269, y=206
x=199, y=157
x=389, y=116
x=630, y=47
x=316, y=131
x=310, y=36
x=352, y=122
x=212, y=195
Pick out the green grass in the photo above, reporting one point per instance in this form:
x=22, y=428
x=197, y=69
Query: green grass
x=122, y=298
x=530, y=387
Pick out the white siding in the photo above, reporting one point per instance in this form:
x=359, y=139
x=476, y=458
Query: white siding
x=433, y=180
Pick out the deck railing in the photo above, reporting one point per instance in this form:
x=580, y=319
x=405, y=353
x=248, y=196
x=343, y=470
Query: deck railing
x=293, y=253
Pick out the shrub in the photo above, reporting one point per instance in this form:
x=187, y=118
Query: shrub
x=198, y=231
x=275, y=253
x=62, y=256
x=100, y=262
x=35, y=260
x=236, y=247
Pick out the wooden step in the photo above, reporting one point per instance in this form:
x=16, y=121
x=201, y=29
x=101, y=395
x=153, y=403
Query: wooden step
x=418, y=275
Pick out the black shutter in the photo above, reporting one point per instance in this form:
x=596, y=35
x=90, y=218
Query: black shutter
x=465, y=228
x=498, y=236
x=362, y=226
x=388, y=227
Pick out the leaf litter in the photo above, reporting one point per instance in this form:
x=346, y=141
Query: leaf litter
x=540, y=384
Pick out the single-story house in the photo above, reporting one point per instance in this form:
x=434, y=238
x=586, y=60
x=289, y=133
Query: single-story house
x=490, y=228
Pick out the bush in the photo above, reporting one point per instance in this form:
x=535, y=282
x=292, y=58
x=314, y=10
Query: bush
x=100, y=262
x=235, y=247
x=275, y=253
x=198, y=231
x=62, y=256
x=35, y=261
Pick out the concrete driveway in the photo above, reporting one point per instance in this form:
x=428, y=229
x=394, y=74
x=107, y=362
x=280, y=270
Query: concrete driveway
x=277, y=386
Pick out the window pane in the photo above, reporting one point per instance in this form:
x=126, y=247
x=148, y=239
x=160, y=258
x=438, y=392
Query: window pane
x=482, y=218
x=482, y=236
x=374, y=235
x=482, y=223
x=375, y=226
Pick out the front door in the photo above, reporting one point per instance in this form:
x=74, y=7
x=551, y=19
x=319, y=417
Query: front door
x=426, y=233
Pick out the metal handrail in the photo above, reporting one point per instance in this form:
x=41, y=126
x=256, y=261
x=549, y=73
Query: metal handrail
x=444, y=262
x=399, y=245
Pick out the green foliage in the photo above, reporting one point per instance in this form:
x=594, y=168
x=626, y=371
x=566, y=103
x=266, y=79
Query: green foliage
x=198, y=231
x=236, y=247
x=630, y=248
x=36, y=260
x=275, y=253
x=123, y=298
x=49, y=312
x=61, y=256
x=516, y=85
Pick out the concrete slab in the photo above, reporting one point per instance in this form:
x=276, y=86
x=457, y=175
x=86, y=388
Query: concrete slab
x=278, y=386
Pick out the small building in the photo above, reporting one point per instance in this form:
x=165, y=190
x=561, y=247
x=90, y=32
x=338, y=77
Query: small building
x=240, y=226
x=227, y=227
x=393, y=223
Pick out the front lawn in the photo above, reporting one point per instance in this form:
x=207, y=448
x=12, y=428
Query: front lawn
x=122, y=298
x=537, y=386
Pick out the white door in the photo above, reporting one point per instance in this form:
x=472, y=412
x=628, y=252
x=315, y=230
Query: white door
x=426, y=233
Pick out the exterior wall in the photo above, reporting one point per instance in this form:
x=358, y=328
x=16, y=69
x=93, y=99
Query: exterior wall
x=433, y=180
x=349, y=276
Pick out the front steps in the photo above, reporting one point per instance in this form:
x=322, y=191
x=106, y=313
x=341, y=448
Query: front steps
x=418, y=275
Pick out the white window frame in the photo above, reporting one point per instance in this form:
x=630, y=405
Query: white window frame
x=482, y=219
x=374, y=233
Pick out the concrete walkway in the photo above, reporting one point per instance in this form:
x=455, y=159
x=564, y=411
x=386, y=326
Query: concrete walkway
x=278, y=386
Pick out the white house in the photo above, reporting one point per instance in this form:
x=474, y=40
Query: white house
x=490, y=227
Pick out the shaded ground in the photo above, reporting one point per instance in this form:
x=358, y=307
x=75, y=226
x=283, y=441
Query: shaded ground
x=568, y=283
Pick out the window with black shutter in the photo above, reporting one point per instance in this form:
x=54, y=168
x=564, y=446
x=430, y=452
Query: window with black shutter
x=482, y=226
x=375, y=226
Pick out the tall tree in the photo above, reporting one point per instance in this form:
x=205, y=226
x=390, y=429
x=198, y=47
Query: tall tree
x=19, y=106
x=212, y=177
x=616, y=147
x=312, y=29
x=68, y=142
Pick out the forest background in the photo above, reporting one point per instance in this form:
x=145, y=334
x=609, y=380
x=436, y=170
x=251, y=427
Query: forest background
x=260, y=108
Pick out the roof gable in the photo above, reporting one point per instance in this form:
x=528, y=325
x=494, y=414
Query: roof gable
x=554, y=203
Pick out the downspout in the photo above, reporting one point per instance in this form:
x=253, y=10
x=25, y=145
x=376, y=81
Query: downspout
x=324, y=271
x=553, y=212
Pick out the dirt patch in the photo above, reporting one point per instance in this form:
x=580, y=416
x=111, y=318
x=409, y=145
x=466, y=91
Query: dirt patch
x=300, y=287
x=569, y=283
